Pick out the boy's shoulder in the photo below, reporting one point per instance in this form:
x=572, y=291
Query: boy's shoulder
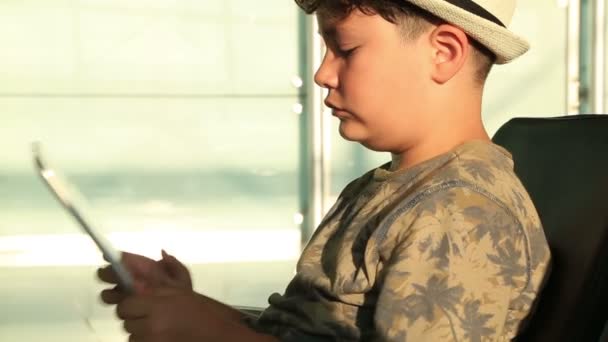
x=475, y=166
x=473, y=173
x=488, y=170
x=476, y=185
x=477, y=162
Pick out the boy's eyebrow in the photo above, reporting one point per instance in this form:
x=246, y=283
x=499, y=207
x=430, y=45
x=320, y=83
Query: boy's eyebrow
x=328, y=32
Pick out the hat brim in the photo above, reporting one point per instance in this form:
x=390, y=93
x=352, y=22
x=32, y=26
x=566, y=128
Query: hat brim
x=506, y=45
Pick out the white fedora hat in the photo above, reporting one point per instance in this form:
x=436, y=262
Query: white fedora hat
x=483, y=20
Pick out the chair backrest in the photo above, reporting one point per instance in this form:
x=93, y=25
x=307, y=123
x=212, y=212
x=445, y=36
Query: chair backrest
x=563, y=163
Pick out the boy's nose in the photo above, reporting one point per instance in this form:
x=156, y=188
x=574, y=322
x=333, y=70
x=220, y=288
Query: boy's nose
x=326, y=76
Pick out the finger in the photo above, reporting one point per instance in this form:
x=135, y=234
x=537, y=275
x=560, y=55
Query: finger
x=107, y=274
x=142, y=289
x=112, y=296
x=137, y=338
x=174, y=266
x=178, y=272
x=134, y=307
x=139, y=265
x=137, y=327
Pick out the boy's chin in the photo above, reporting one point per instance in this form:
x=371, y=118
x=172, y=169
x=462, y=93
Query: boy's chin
x=356, y=133
x=353, y=132
x=350, y=132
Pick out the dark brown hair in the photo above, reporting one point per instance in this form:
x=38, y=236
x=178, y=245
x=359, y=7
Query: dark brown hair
x=411, y=18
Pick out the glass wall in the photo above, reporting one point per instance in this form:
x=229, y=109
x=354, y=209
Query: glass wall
x=175, y=119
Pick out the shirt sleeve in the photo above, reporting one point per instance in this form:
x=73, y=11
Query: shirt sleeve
x=455, y=274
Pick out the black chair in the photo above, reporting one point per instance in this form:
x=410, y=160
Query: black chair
x=563, y=163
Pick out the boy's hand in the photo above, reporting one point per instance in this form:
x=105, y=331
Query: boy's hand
x=169, y=314
x=147, y=276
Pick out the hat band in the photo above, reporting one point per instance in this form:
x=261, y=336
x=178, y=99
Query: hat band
x=470, y=6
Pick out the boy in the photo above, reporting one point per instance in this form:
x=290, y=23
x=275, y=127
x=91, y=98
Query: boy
x=441, y=244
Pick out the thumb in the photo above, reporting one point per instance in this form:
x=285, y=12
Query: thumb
x=176, y=270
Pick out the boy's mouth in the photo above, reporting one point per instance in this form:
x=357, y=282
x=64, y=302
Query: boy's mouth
x=329, y=104
x=337, y=111
x=340, y=114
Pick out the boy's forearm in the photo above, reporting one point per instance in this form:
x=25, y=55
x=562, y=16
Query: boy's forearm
x=222, y=310
x=236, y=328
x=241, y=332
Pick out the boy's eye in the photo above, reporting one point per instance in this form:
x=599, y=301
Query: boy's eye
x=345, y=52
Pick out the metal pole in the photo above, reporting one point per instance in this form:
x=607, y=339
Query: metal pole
x=598, y=72
x=315, y=162
x=573, y=58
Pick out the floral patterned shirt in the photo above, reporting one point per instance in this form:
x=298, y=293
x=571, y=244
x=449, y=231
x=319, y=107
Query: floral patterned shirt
x=449, y=250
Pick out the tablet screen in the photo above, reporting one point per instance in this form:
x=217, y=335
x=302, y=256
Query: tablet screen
x=73, y=202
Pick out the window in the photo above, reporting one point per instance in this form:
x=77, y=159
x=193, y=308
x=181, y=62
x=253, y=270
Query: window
x=175, y=119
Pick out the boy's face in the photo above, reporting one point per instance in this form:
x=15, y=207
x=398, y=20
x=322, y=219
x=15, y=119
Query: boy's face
x=378, y=81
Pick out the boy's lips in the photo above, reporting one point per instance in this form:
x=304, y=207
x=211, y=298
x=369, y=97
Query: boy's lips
x=337, y=111
x=340, y=114
x=331, y=105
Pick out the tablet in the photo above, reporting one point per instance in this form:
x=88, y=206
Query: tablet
x=73, y=203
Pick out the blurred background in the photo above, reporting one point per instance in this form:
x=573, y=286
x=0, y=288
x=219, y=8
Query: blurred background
x=194, y=126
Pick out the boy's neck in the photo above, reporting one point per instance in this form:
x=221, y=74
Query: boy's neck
x=433, y=146
x=452, y=118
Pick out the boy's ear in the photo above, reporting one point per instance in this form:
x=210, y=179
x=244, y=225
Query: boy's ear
x=450, y=48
